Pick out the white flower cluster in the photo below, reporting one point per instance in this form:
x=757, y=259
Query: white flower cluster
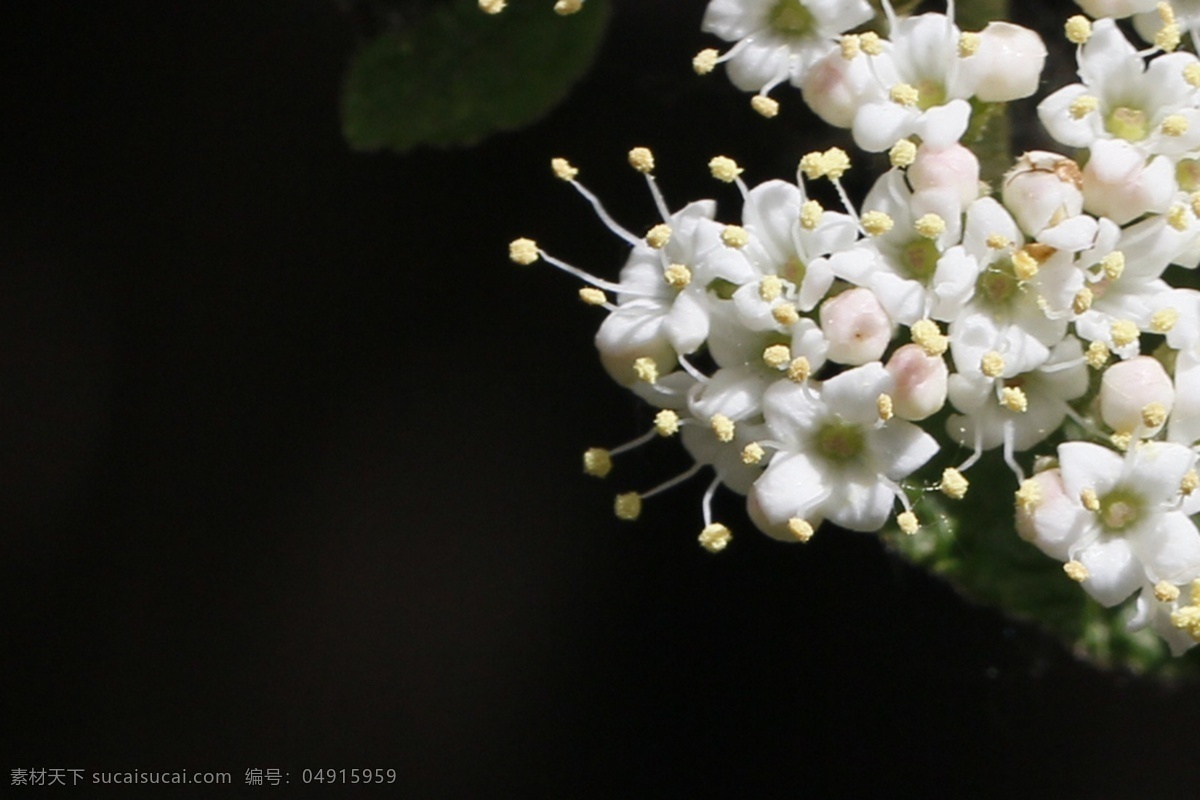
x=813, y=358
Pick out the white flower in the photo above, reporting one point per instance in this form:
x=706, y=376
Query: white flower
x=1121, y=184
x=778, y=40
x=663, y=300
x=1118, y=517
x=1008, y=64
x=1121, y=98
x=836, y=459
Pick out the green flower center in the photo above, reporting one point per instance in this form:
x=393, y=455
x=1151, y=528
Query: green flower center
x=918, y=259
x=840, y=441
x=1120, y=509
x=794, y=270
x=1127, y=123
x=792, y=18
x=930, y=93
x=1188, y=174
x=722, y=288
x=998, y=285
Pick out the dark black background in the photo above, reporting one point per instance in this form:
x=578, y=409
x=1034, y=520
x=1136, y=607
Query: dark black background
x=289, y=461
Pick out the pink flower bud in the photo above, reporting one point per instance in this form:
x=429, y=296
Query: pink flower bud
x=1007, y=65
x=1042, y=190
x=857, y=327
x=834, y=87
x=1042, y=522
x=1128, y=388
x=953, y=168
x=1120, y=184
x=920, y=383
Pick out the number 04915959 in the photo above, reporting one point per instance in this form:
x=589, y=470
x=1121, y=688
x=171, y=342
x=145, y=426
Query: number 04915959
x=348, y=775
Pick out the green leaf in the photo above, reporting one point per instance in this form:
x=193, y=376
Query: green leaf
x=458, y=75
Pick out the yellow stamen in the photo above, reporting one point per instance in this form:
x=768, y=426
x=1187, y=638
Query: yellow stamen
x=908, y=522
x=724, y=169
x=666, y=423
x=954, y=484
x=735, y=236
x=753, y=453
x=658, y=236
x=884, y=405
x=929, y=337
x=770, y=288
x=677, y=275
x=523, y=251
x=597, y=462
x=777, y=356
x=1025, y=266
x=850, y=46
x=715, y=537
x=799, y=370
x=1029, y=495
x=930, y=226
x=1113, y=265
x=1163, y=320
x=903, y=153
x=646, y=369
x=870, y=43
x=785, y=314
x=1174, y=125
x=1124, y=333
x=1097, y=355
x=1165, y=592
x=628, y=506
x=1089, y=499
x=641, y=159
x=1013, y=398
x=491, y=6
x=968, y=44
x=810, y=215
x=562, y=169
x=764, y=105
x=1154, y=415
x=800, y=529
x=1190, y=482
x=1082, y=106
x=723, y=427
x=1078, y=29
x=876, y=223
x=705, y=61
x=1076, y=571
x=992, y=364
x=1082, y=300
x=592, y=296
x=904, y=94
x=567, y=7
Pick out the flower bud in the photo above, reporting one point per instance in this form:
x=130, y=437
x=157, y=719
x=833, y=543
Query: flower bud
x=835, y=87
x=1120, y=184
x=1007, y=65
x=920, y=382
x=1040, y=522
x=857, y=327
x=953, y=168
x=1042, y=190
x=1128, y=388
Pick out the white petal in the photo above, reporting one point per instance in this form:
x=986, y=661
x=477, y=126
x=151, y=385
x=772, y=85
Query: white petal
x=1113, y=572
x=1169, y=549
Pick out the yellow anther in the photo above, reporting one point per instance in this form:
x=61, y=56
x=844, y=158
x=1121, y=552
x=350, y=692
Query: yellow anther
x=777, y=356
x=1013, y=398
x=1191, y=74
x=523, y=251
x=800, y=529
x=1079, y=30
x=1163, y=320
x=1029, y=495
x=850, y=45
x=908, y=522
x=885, y=406
x=770, y=288
x=834, y=163
x=799, y=370
x=628, y=506
x=1082, y=106
x=658, y=236
x=903, y=153
x=592, y=296
x=1113, y=264
x=724, y=169
x=904, y=94
x=1076, y=571
x=563, y=169
x=1165, y=12
x=811, y=166
x=1168, y=36
x=1154, y=415
x=666, y=423
x=954, y=484
x=968, y=44
x=810, y=215
x=677, y=275
x=1174, y=125
x=1124, y=333
x=1082, y=300
x=870, y=43
x=1187, y=618
x=1165, y=592
x=753, y=453
x=641, y=159
x=723, y=427
x=998, y=241
x=715, y=537
x=567, y=7
x=1194, y=201
x=1177, y=218
x=1089, y=499
x=1097, y=355
x=785, y=314
x=1121, y=441
x=1195, y=591
x=1190, y=482
x=597, y=461
x=492, y=6
x=735, y=236
x=705, y=61
x=930, y=226
x=929, y=337
x=876, y=223
x=764, y=105
x=646, y=369
x=1025, y=266
x=992, y=364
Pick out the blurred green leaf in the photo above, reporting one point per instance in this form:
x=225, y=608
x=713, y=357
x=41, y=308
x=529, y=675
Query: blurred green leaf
x=458, y=75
